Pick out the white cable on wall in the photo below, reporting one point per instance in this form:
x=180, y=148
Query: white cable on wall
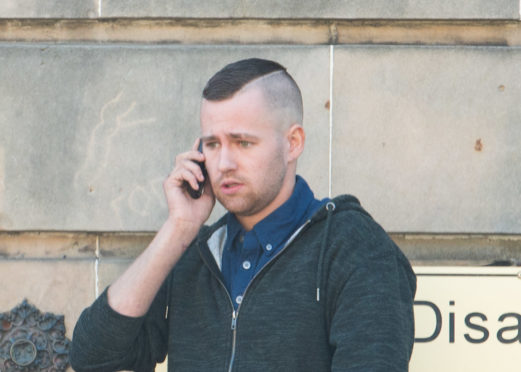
x=96, y=269
x=331, y=66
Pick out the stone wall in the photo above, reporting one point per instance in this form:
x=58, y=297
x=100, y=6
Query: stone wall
x=413, y=106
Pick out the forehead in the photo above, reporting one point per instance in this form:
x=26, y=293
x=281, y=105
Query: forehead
x=244, y=112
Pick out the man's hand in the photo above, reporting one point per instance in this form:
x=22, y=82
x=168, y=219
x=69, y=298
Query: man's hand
x=181, y=206
x=133, y=292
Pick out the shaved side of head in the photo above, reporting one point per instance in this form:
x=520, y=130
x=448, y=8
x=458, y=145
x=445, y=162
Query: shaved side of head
x=283, y=97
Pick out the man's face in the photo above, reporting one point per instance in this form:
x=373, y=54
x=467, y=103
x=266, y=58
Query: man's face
x=246, y=154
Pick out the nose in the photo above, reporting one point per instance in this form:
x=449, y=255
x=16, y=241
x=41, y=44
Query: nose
x=226, y=160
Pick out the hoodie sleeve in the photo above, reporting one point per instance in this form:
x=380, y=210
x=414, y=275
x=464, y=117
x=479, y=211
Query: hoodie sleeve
x=104, y=340
x=372, y=327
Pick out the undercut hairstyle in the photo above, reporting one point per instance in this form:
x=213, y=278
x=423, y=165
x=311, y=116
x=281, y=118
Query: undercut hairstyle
x=280, y=90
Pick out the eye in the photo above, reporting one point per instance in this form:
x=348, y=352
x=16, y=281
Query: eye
x=245, y=144
x=211, y=145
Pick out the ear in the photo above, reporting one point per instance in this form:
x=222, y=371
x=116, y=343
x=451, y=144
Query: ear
x=296, y=139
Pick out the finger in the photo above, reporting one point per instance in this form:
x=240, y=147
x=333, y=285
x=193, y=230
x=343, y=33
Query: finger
x=178, y=177
x=185, y=164
x=195, y=168
x=192, y=155
x=190, y=179
x=196, y=144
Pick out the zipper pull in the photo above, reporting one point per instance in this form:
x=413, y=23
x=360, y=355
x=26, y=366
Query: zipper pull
x=234, y=320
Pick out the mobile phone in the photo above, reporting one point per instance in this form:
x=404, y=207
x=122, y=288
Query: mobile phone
x=196, y=194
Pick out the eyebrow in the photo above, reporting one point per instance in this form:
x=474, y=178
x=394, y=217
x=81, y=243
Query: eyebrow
x=234, y=136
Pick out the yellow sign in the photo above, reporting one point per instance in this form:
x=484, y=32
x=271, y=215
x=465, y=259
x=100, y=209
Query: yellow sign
x=467, y=319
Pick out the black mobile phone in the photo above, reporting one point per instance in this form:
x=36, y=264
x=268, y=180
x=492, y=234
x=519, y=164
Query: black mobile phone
x=196, y=194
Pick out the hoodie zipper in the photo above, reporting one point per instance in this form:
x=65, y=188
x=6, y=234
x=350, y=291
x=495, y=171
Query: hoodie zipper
x=233, y=326
x=234, y=338
x=235, y=313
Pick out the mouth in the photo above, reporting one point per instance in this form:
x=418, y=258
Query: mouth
x=230, y=187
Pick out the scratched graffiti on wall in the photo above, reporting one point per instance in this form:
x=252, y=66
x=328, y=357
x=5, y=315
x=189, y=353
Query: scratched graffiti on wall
x=109, y=158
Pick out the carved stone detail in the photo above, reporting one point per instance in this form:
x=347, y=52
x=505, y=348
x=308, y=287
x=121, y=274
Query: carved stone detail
x=31, y=341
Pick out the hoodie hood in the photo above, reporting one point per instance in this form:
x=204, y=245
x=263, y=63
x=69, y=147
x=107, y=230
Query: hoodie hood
x=338, y=204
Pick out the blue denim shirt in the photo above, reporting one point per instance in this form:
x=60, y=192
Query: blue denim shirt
x=246, y=252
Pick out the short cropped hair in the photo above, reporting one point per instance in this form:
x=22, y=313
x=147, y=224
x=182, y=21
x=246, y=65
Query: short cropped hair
x=234, y=76
x=280, y=89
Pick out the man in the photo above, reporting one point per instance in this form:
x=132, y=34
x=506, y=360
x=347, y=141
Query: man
x=283, y=282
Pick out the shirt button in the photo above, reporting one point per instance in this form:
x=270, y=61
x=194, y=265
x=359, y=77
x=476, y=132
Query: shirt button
x=238, y=299
x=241, y=239
x=269, y=247
x=246, y=265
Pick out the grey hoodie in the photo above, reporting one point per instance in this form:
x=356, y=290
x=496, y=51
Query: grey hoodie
x=338, y=297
